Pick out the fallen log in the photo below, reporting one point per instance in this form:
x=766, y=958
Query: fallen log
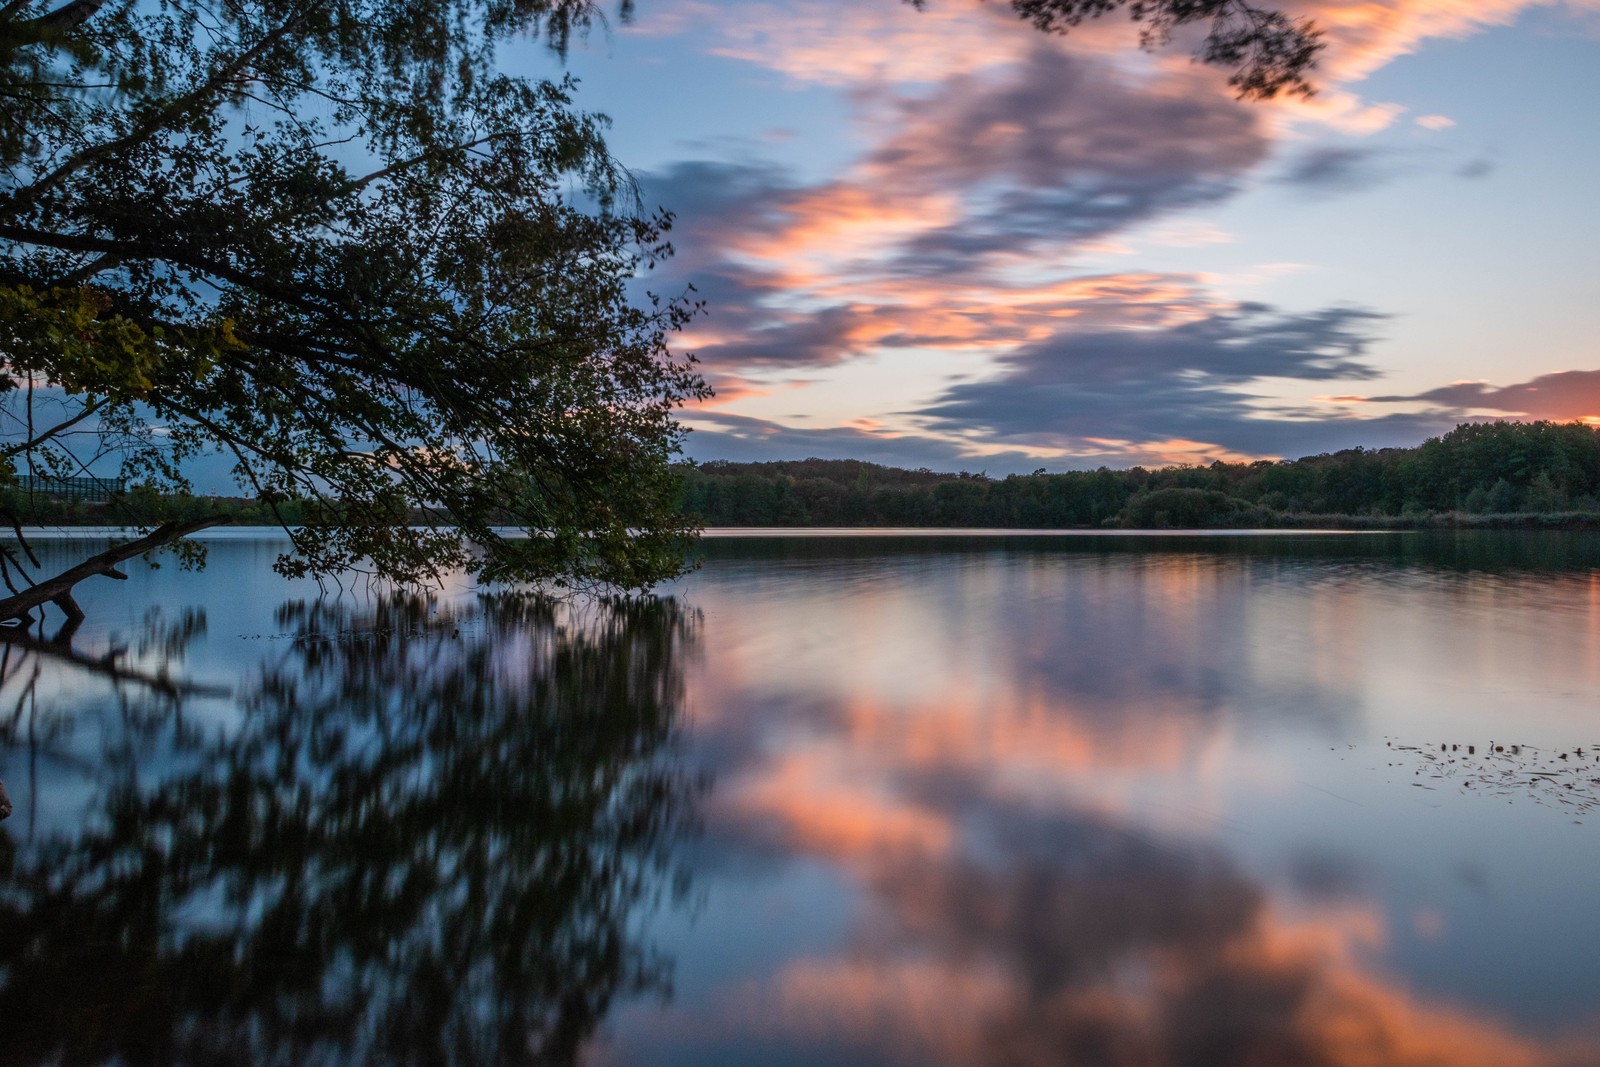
x=58, y=590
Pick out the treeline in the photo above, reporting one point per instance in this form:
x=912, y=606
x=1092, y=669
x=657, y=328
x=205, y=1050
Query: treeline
x=139, y=506
x=1501, y=473
x=1491, y=474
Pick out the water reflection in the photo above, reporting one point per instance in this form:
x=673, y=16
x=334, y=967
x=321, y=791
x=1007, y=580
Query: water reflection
x=1071, y=938
x=1028, y=804
x=1486, y=551
x=994, y=803
x=428, y=838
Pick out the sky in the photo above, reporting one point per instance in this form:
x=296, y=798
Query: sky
x=944, y=239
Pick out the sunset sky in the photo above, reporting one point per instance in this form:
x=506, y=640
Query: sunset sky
x=944, y=239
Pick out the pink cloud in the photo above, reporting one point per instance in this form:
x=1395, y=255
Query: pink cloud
x=1366, y=35
x=881, y=45
x=833, y=42
x=841, y=42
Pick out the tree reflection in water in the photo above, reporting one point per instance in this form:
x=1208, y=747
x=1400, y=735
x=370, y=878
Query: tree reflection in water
x=428, y=841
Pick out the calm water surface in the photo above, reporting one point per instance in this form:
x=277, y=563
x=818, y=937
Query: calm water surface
x=1006, y=800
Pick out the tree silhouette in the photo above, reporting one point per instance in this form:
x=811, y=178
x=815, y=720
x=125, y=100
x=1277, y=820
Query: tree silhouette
x=338, y=245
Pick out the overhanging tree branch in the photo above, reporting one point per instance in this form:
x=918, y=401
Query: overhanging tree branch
x=202, y=97
x=58, y=590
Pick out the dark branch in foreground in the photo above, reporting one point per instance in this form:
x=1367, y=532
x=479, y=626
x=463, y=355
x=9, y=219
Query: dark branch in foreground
x=58, y=590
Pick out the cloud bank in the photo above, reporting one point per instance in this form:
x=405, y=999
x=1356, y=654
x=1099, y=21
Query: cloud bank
x=997, y=167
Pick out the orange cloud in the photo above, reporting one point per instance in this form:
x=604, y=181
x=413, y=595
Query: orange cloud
x=1366, y=35
x=843, y=221
x=730, y=390
x=1174, y=452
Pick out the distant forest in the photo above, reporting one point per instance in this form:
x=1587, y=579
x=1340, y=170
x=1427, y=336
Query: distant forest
x=1479, y=474
x=1489, y=474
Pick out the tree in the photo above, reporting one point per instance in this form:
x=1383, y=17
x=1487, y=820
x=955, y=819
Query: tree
x=395, y=287
x=332, y=241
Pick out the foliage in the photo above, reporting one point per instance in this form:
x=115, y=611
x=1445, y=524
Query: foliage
x=1161, y=509
x=1478, y=468
x=333, y=242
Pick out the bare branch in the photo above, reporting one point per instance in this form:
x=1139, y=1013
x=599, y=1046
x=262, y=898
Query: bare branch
x=94, y=404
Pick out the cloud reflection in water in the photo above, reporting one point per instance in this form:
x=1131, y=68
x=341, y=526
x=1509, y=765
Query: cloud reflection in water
x=1019, y=763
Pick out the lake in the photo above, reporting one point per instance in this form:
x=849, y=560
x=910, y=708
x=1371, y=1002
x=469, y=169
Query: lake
x=834, y=799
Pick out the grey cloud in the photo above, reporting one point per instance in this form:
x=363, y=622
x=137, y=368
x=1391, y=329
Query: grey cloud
x=1296, y=438
x=1023, y=219
x=1338, y=169
x=711, y=199
x=815, y=338
x=1327, y=875
x=1066, y=150
x=1190, y=381
x=1070, y=897
x=1064, y=118
x=748, y=440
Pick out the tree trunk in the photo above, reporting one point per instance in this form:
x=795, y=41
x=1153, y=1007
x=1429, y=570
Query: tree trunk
x=58, y=590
